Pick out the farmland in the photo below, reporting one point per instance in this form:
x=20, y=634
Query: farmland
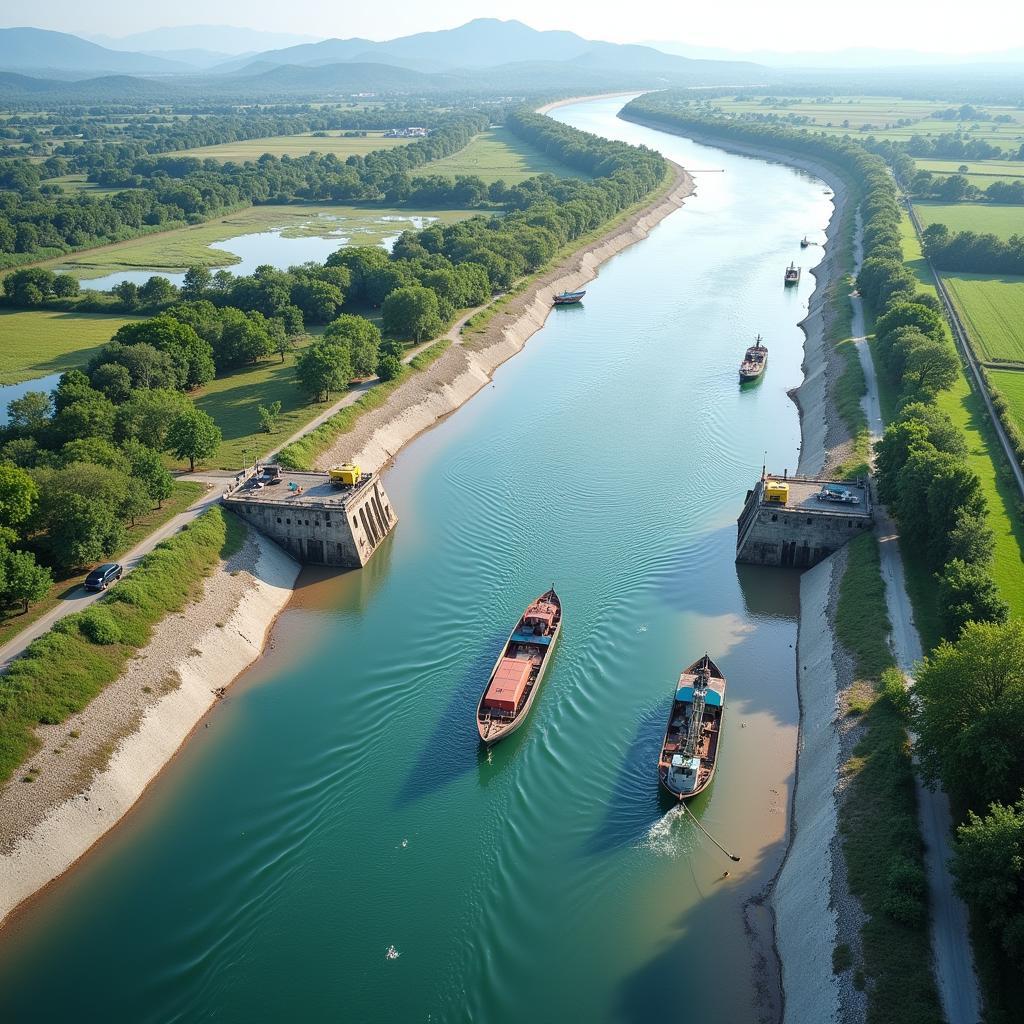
x=296, y=145
x=35, y=343
x=883, y=117
x=985, y=218
x=980, y=173
x=992, y=310
x=1011, y=384
x=498, y=154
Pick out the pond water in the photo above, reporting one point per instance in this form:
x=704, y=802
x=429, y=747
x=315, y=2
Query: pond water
x=282, y=247
x=9, y=392
x=336, y=846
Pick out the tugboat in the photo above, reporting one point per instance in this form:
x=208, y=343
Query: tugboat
x=804, y=242
x=690, y=749
x=568, y=298
x=754, y=362
x=792, y=274
x=519, y=670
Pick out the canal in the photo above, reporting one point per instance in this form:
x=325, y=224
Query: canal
x=335, y=846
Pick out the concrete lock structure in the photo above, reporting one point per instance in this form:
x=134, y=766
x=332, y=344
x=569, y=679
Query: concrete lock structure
x=316, y=522
x=798, y=521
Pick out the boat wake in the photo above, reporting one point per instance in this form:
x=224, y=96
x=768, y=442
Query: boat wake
x=664, y=838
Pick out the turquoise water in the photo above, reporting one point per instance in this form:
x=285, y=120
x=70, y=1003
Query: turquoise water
x=335, y=846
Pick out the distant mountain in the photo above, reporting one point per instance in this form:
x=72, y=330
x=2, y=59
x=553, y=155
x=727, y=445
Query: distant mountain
x=38, y=52
x=227, y=39
x=334, y=78
x=864, y=57
x=488, y=42
x=93, y=90
x=198, y=60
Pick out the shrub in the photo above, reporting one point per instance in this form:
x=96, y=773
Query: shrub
x=906, y=886
x=98, y=625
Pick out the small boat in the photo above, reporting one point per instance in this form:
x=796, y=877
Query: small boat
x=804, y=242
x=690, y=749
x=519, y=670
x=755, y=361
x=568, y=298
x=792, y=274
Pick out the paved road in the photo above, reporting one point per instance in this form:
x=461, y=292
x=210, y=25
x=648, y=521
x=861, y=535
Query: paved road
x=951, y=944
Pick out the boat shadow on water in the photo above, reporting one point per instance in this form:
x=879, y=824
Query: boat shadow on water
x=636, y=802
x=453, y=748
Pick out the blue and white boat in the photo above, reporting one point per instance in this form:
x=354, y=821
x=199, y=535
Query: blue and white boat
x=568, y=298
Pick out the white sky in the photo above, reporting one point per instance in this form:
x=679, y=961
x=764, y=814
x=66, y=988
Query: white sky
x=930, y=25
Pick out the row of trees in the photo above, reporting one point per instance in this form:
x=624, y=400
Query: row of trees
x=971, y=252
x=956, y=188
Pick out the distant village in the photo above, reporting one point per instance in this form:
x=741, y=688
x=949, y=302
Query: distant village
x=407, y=133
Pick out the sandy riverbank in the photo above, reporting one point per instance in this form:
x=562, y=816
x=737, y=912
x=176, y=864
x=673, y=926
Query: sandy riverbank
x=95, y=766
x=466, y=368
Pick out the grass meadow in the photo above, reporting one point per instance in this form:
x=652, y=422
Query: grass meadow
x=295, y=145
x=979, y=172
x=992, y=309
x=984, y=218
x=498, y=154
x=1011, y=384
x=38, y=342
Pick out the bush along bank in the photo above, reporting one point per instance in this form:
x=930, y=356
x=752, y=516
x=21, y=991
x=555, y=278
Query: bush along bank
x=64, y=669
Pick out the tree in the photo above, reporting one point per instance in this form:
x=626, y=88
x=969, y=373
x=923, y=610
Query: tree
x=65, y=286
x=988, y=864
x=113, y=381
x=971, y=539
x=931, y=367
x=148, y=414
x=24, y=580
x=967, y=593
x=389, y=367
x=148, y=468
x=147, y=367
x=244, y=339
x=31, y=412
x=193, y=435
x=96, y=450
x=269, y=416
x=157, y=291
x=128, y=293
x=323, y=367
x=192, y=356
x=18, y=496
x=88, y=417
x=362, y=339
x=412, y=312
x=970, y=712
x=197, y=282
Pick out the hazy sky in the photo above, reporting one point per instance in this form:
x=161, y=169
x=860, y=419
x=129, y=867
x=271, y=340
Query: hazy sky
x=742, y=24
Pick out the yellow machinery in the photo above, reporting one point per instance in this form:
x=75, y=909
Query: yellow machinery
x=776, y=492
x=345, y=476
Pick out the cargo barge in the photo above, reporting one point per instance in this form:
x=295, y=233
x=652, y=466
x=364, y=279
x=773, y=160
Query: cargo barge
x=519, y=671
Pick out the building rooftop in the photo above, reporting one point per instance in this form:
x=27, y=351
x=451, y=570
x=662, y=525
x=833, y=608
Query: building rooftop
x=804, y=491
x=295, y=487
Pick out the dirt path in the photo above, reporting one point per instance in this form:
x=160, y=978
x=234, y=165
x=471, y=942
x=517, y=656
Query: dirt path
x=951, y=945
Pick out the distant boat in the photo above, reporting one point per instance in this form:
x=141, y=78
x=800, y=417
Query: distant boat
x=804, y=242
x=792, y=274
x=755, y=361
x=568, y=298
x=689, y=751
x=519, y=671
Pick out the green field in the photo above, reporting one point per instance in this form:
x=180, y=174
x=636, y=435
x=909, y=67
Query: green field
x=295, y=145
x=498, y=154
x=196, y=245
x=984, y=218
x=1011, y=384
x=878, y=116
x=992, y=309
x=234, y=400
x=979, y=172
x=35, y=343
x=985, y=456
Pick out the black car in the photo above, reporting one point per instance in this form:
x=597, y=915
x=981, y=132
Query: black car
x=103, y=575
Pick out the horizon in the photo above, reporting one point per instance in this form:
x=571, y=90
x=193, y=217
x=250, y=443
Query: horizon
x=746, y=28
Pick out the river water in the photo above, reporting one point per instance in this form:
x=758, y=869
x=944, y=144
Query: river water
x=335, y=846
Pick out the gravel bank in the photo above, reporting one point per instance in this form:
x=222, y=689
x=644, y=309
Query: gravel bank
x=464, y=369
x=94, y=766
